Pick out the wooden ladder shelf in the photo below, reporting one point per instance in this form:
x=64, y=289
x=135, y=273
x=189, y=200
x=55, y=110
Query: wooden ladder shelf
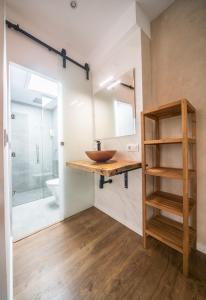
x=181, y=236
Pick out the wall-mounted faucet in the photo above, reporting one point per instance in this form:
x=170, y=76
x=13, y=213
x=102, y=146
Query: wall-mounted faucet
x=98, y=145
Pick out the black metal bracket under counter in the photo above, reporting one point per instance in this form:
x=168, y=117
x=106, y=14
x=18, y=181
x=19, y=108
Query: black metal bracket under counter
x=102, y=180
x=107, y=169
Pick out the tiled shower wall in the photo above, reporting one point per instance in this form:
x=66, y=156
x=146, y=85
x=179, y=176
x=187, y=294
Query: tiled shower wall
x=33, y=130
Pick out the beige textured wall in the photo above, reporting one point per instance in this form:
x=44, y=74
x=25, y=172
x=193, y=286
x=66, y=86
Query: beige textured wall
x=147, y=100
x=178, y=51
x=146, y=71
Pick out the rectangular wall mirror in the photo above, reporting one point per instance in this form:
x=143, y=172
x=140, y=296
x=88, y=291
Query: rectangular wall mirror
x=114, y=107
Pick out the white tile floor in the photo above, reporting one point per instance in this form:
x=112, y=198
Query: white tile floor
x=30, y=195
x=31, y=217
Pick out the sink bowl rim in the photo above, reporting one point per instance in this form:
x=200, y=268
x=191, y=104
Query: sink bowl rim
x=100, y=151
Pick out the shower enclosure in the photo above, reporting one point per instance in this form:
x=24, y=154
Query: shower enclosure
x=34, y=151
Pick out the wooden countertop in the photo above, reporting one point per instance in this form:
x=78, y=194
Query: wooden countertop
x=110, y=168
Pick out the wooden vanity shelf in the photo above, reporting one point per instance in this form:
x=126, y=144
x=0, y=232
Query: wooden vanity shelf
x=168, y=202
x=169, y=232
x=168, y=141
x=172, y=173
x=110, y=168
x=179, y=236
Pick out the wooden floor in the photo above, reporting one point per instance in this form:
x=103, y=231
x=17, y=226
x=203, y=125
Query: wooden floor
x=91, y=256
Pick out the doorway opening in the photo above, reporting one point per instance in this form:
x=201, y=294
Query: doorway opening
x=36, y=156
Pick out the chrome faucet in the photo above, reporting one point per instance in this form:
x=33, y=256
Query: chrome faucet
x=98, y=145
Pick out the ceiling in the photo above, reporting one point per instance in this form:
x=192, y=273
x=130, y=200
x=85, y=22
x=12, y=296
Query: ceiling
x=153, y=8
x=82, y=28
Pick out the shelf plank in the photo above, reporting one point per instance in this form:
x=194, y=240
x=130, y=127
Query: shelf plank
x=169, y=110
x=168, y=231
x=168, y=202
x=168, y=141
x=173, y=173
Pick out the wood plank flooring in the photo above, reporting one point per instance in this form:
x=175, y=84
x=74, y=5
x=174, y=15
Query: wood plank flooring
x=91, y=256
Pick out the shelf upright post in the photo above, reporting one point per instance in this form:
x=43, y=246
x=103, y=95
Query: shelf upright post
x=185, y=186
x=194, y=179
x=157, y=162
x=144, y=208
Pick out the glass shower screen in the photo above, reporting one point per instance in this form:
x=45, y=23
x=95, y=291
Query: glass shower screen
x=33, y=138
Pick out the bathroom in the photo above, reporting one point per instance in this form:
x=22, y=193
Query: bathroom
x=76, y=77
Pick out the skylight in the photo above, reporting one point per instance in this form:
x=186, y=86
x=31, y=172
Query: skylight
x=43, y=85
x=46, y=100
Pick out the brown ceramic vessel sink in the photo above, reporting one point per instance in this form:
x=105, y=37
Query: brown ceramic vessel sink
x=100, y=156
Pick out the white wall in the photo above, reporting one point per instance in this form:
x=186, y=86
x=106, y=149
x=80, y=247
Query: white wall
x=133, y=16
x=77, y=109
x=124, y=205
x=5, y=241
x=120, y=27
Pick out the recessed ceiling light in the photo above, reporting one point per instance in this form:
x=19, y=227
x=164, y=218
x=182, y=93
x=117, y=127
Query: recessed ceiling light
x=73, y=4
x=113, y=84
x=103, y=83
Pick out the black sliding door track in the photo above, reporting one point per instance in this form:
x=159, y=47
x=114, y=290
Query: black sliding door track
x=61, y=53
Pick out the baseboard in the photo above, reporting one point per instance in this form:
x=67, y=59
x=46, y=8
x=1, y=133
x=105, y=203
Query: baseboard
x=201, y=248
x=117, y=218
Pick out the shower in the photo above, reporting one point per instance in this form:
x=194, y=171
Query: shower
x=35, y=151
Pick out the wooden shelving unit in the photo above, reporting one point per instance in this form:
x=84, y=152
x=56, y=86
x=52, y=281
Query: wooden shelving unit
x=181, y=236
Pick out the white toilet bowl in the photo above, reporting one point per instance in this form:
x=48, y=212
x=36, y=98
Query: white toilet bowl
x=53, y=186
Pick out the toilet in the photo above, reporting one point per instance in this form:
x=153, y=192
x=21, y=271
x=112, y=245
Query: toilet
x=53, y=186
